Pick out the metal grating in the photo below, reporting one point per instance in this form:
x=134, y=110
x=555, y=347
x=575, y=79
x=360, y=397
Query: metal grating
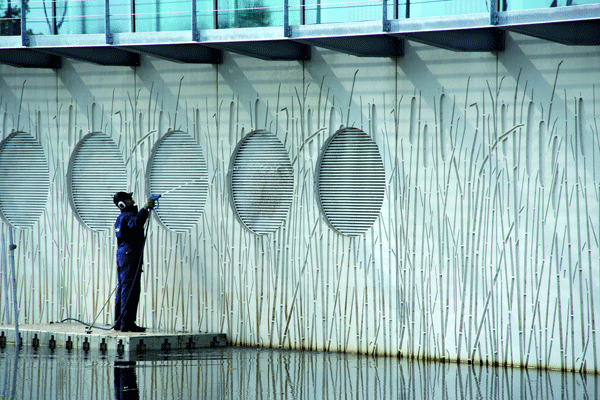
x=24, y=180
x=177, y=170
x=96, y=172
x=350, y=181
x=261, y=182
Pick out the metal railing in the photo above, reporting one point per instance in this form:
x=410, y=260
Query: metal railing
x=54, y=17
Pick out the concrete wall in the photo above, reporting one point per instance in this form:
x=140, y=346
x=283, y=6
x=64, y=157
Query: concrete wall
x=486, y=246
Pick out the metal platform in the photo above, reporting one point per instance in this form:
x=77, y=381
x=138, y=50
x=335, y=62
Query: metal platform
x=72, y=336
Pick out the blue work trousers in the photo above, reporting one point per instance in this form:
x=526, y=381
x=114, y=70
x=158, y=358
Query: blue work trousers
x=128, y=286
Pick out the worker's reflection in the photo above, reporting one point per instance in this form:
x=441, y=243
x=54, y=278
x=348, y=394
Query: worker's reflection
x=125, y=381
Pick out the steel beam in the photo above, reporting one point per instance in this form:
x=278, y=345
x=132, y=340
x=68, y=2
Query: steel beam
x=101, y=55
x=266, y=43
x=469, y=40
x=574, y=26
x=471, y=33
x=272, y=50
x=361, y=46
x=363, y=39
x=188, y=53
x=28, y=58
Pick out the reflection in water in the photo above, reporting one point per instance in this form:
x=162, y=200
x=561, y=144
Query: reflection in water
x=126, y=387
x=245, y=373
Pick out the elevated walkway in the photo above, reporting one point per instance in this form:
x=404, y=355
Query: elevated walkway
x=572, y=26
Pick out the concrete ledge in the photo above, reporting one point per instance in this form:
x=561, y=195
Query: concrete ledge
x=73, y=336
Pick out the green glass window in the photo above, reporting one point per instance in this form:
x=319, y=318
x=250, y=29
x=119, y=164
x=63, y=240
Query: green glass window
x=511, y=5
x=329, y=11
x=440, y=8
x=120, y=16
x=163, y=15
x=81, y=17
x=65, y=17
x=256, y=13
x=10, y=18
x=205, y=14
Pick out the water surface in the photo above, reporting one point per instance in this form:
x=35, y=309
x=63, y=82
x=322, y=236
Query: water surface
x=249, y=373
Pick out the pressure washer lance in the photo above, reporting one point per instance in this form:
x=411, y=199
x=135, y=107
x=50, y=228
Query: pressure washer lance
x=181, y=186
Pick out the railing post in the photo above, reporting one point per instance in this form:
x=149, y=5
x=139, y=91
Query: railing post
x=215, y=14
x=132, y=8
x=494, y=19
x=54, y=24
x=109, y=36
x=287, y=31
x=24, y=36
x=386, y=21
x=195, y=33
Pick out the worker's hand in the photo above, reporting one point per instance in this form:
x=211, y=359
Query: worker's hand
x=149, y=204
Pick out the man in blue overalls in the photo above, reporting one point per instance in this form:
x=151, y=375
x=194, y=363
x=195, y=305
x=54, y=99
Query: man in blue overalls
x=129, y=229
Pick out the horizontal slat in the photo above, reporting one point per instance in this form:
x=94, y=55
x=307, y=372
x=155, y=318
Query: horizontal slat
x=178, y=168
x=97, y=173
x=24, y=180
x=262, y=182
x=351, y=181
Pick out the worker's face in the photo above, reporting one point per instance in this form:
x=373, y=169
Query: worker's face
x=129, y=202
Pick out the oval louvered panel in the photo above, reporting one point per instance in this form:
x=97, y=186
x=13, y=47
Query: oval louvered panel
x=261, y=182
x=177, y=170
x=24, y=180
x=96, y=173
x=350, y=181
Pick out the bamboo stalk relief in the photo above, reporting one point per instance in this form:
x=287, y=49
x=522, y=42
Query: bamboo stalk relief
x=485, y=250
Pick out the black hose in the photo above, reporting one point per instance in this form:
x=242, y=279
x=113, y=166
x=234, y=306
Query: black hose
x=87, y=326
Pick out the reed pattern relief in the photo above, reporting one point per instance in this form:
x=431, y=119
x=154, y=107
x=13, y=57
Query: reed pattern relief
x=486, y=248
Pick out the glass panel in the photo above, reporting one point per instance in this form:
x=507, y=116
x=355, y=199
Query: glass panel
x=46, y=17
x=120, y=16
x=10, y=18
x=249, y=13
x=163, y=15
x=327, y=11
x=439, y=8
x=295, y=10
x=205, y=14
x=510, y=5
x=39, y=17
x=81, y=16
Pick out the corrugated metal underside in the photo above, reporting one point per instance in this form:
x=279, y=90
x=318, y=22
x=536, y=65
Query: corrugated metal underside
x=261, y=182
x=24, y=180
x=351, y=181
x=178, y=170
x=96, y=173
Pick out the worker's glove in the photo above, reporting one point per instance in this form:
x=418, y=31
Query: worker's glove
x=149, y=204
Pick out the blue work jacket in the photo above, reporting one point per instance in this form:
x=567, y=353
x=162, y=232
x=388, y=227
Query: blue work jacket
x=129, y=230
